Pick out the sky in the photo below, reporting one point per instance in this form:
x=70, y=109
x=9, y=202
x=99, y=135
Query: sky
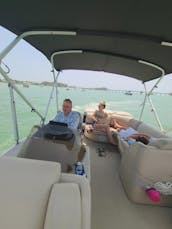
x=27, y=63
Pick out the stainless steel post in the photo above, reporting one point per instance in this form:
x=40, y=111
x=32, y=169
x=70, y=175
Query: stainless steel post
x=14, y=115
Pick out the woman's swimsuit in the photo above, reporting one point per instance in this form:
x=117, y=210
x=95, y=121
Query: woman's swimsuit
x=99, y=116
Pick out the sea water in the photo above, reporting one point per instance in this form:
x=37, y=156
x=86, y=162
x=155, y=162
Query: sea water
x=83, y=99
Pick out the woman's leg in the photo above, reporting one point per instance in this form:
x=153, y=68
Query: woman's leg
x=105, y=128
x=109, y=135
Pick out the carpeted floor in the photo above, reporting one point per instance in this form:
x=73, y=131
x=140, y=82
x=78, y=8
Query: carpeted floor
x=110, y=207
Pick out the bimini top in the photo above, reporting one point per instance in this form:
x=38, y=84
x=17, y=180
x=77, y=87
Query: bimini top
x=113, y=35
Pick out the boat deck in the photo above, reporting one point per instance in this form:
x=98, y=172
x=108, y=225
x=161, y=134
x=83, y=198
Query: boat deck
x=110, y=205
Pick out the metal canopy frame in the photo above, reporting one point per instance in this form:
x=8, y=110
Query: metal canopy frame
x=54, y=70
x=55, y=77
x=12, y=85
x=148, y=94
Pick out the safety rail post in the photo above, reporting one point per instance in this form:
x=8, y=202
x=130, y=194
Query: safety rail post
x=51, y=96
x=143, y=104
x=57, y=90
x=56, y=86
x=155, y=114
x=14, y=114
x=3, y=73
x=147, y=95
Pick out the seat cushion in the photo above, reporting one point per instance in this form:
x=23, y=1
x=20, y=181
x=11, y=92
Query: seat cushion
x=24, y=193
x=64, y=208
x=134, y=123
x=85, y=195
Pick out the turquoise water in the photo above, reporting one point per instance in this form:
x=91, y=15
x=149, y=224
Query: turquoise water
x=82, y=99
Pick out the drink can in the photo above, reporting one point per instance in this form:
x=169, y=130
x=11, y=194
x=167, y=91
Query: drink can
x=79, y=168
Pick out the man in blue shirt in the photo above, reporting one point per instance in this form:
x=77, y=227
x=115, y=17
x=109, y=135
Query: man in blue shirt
x=71, y=118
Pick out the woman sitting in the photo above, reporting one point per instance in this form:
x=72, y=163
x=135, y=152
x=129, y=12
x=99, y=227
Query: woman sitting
x=100, y=116
x=101, y=123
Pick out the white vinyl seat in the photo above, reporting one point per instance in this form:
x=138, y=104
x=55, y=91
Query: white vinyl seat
x=36, y=195
x=143, y=165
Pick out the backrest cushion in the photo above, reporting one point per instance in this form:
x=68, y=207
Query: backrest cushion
x=144, y=128
x=64, y=152
x=121, y=116
x=25, y=187
x=134, y=123
x=89, y=116
x=162, y=143
x=122, y=119
x=80, y=119
x=64, y=208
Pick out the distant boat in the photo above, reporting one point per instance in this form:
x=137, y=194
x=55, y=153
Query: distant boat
x=26, y=84
x=128, y=93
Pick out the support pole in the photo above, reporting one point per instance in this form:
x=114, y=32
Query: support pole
x=147, y=95
x=19, y=93
x=14, y=115
x=143, y=104
x=155, y=113
x=53, y=68
x=56, y=87
x=57, y=91
x=51, y=96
